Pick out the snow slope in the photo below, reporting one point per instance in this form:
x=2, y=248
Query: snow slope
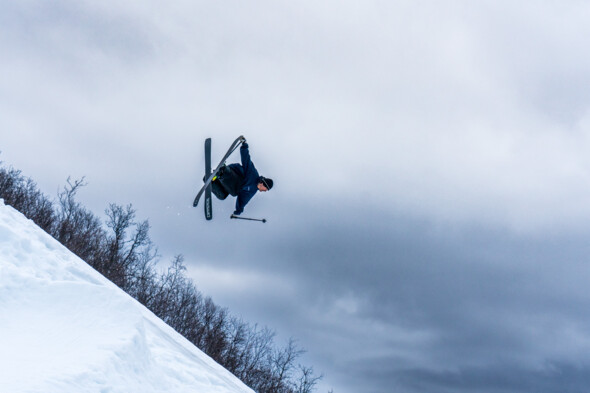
x=64, y=328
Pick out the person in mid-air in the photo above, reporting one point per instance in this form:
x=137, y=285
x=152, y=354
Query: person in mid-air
x=241, y=180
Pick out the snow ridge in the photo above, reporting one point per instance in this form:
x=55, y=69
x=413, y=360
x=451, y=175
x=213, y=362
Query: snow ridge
x=64, y=328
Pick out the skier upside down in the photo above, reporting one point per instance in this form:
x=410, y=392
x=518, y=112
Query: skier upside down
x=240, y=180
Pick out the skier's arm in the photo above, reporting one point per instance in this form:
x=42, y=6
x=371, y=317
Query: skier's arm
x=241, y=202
x=245, y=156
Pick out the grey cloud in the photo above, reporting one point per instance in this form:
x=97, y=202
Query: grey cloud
x=464, y=308
x=507, y=378
x=59, y=30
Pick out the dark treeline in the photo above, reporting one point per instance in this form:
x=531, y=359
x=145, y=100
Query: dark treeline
x=122, y=251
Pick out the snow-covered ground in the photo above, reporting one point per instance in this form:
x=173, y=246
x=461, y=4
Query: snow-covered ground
x=64, y=328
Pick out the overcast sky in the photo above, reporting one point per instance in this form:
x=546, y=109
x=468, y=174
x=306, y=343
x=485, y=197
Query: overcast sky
x=428, y=228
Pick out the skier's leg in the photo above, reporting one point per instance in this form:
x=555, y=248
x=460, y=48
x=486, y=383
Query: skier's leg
x=231, y=181
x=218, y=190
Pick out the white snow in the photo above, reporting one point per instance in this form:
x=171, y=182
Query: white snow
x=64, y=328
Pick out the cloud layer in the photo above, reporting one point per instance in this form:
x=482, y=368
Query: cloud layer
x=427, y=229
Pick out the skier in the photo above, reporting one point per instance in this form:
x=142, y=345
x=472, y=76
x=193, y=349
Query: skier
x=238, y=180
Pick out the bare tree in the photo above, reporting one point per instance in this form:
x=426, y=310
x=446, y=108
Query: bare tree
x=307, y=380
x=254, y=362
x=282, y=364
x=76, y=227
x=22, y=194
x=125, y=255
x=235, y=350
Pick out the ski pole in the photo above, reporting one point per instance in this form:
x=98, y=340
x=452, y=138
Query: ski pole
x=263, y=220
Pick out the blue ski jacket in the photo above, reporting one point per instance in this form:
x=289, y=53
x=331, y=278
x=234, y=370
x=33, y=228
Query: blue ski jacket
x=249, y=186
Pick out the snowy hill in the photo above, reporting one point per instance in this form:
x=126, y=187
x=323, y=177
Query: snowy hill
x=66, y=329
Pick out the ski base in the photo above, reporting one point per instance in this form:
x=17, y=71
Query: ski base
x=208, y=199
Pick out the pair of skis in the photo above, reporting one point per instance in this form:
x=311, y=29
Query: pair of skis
x=206, y=189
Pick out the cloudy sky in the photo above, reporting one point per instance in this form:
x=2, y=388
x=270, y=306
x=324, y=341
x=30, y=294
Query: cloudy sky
x=428, y=229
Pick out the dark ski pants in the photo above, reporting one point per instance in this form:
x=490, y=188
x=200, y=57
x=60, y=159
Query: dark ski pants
x=218, y=190
x=228, y=182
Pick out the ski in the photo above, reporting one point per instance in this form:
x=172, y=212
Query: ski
x=208, y=201
x=231, y=149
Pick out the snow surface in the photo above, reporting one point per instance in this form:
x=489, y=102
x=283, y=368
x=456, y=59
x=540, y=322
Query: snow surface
x=65, y=328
